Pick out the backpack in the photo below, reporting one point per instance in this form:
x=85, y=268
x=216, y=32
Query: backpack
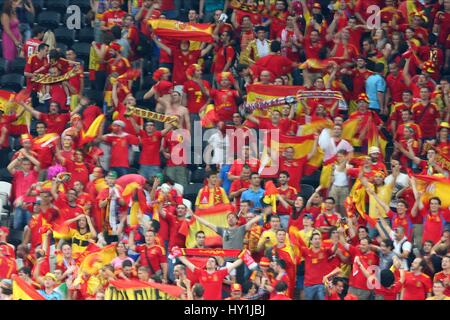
x=411, y=255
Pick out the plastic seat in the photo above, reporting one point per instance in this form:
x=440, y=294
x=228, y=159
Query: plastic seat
x=2, y=66
x=5, y=187
x=64, y=35
x=18, y=65
x=49, y=19
x=82, y=50
x=306, y=191
x=191, y=191
x=57, y=5
x=86, y=35
x=95, y=96
x=62, y=47
x=198, y=175
x=84, y=5
x=13, y=81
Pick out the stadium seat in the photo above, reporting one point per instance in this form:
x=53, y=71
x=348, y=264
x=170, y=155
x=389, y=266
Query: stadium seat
x=57, y=5
x=306, y=191
x=12, y=81
x=5, y=187
x=62, y=47
x=17, y=66
x=145, y=104
x=312, y=180
x=96, y=96
x=38, y=5
x=82, y=50
x=84, y=5
x=65, y=17
x=86, y=35
x=191, y=191
x=64, y=35
x=198, y=176
x=15, y=237
x=49, y=19
x=2, y=66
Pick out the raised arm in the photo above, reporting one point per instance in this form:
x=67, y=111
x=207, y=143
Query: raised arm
x=250, y=223
x=206, y=223
x=161, y=45
x=187, y=263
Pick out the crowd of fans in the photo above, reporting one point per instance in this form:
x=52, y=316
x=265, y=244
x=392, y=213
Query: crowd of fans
x=311, y=245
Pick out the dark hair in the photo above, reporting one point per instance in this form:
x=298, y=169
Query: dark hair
x=42, y=123
x=388, y=243
x=281, y=286
x=365, y=238
x=36, y=30
x=404, y=202
x=253, y=174
x=272, y=216
x=198, y=290
x=42, y=46
x=54, y=54
x=241, y=66
x=199, y=232
x=275, y=46
x=7, y=7
x=211, y=173
x=331, y=198
x=127, y=263
x=363, y=227
x=285, y=173
x=387, y=278
x=435, y=198
x=379, y=67
x=25, y=270
x=338, y=279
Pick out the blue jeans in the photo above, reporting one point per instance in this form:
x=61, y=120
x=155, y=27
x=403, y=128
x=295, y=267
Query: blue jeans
x=149, y=171
x=21, y=218
x=121, y=171
x=315, y=292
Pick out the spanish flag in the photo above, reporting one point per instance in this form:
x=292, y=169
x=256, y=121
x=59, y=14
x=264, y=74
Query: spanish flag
x=45, y=140
x=92, y=132
x=216, y=215
x=302, y=146
x=9, y=101
x=97, y=259
x=316, y=125
x=208, y=117
x=23, y=291
x=176, y=30
x=356, y=201
x=139, y=290
x=61, y=231
x=375, y=138
x=434, y=186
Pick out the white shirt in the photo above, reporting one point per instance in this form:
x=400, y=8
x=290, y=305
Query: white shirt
x=340, y=178
x=401, y=182
x=220, y=145
x=405, y=244
x=329, y=147
x=263, y=48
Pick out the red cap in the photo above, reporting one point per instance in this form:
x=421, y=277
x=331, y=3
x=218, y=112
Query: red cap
x=317, y=5
x=363, y=97
x=4, y=229
x=264, y=262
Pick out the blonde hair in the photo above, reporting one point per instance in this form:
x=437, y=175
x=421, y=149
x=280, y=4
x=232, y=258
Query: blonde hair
x=49, y=39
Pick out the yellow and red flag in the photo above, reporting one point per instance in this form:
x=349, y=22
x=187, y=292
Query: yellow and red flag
x=434, y=186
x=97, y=259
x=61, y=231
x=208, y=117
x=10, y=100
x=139, y=290
x=302, y=147
x=23, y=291
x=316, y=125
x=262, y=92
x=176, y=30
x=216, y=215
x=92, y=132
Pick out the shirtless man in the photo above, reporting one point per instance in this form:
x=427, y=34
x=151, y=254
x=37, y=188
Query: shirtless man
x=174, y=108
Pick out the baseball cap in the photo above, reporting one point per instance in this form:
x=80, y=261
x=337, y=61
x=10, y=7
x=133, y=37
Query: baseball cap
x=119, y=123
x=309, y=216
x=4, y=229
x=363, y=97
x=264, y=262
x=112, y=174
x=374, y=150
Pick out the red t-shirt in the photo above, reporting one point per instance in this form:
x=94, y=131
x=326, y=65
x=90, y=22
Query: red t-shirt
x=174, y=143
x=89, y=115
x=33, y=64
x=276, y=64
x=328, y=222
x=30, y=47
x=80, y=172
x=176, y=238
x=150, y=148
x=119, y=148
x=291, y=194
x=426, y=118
x=225, y=103
x=433, y=226
x=56, y=123
x=312, y=49
x=416, y=287
x=154, y=254
x=357, y=278
x=295, y=168
x=396, y=85
x=59, y=95
x=222, y=55
x=195, y=98
x=235, y=186
x=113, y=17
x=316, y=265
x=211, y=282
x=180, y=64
